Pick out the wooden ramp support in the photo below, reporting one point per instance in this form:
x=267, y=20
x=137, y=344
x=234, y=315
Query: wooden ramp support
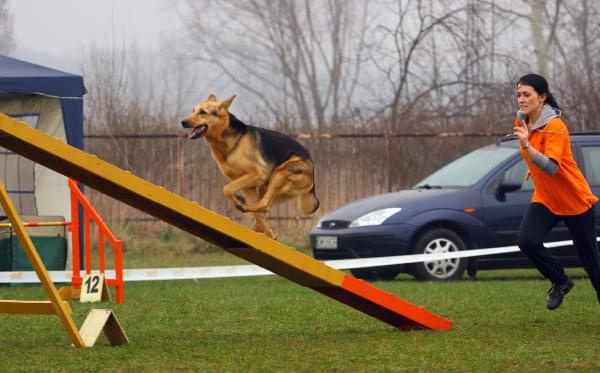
x=69, y=293
x=222, y=231
x=99, y=320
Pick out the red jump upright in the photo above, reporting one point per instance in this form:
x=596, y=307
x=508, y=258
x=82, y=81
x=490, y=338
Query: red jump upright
x=89, y=213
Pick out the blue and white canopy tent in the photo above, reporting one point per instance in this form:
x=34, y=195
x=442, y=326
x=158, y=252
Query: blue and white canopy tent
x=51, y=101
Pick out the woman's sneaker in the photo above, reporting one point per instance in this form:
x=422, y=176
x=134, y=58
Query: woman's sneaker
x=557, y=293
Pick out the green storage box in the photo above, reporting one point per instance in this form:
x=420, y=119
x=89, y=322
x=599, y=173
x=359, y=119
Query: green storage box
x=52, y=251
x=50, y=243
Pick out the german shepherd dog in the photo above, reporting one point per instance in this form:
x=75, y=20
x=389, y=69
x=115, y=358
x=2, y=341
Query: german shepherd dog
x=264, y=166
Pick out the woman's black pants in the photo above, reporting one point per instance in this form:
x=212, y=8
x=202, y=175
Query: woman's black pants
x=535, y=226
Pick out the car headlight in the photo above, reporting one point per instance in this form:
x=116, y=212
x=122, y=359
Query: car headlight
x=375, y=217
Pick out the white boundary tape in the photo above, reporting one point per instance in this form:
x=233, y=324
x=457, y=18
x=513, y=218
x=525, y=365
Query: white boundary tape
x=187, y=273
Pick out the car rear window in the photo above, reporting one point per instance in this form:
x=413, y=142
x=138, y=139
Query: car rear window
x=468, y=169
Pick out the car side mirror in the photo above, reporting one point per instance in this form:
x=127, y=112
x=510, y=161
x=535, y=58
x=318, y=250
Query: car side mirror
x=507, y=186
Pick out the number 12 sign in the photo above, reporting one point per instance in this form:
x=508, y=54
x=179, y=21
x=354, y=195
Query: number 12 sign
x=92, y=288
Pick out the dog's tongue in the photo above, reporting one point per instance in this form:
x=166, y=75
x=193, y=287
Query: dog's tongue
x=197, y=132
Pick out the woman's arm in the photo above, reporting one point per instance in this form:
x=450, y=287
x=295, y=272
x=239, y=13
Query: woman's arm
x=548, y=165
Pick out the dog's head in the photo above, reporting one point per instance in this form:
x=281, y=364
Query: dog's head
x=207, y=116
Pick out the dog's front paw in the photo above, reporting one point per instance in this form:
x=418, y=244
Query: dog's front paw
x=269, y=233
x=264, y=230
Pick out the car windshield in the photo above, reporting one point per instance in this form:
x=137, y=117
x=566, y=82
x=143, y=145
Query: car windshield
x=468, y=169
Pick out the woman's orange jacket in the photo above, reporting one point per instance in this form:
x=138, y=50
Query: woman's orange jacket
x=566, y=192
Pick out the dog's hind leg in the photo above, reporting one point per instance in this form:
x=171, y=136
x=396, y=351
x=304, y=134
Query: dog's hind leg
x=278, y=186
x=289, y=180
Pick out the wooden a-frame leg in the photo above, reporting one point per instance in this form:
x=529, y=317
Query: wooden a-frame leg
x=60, y=309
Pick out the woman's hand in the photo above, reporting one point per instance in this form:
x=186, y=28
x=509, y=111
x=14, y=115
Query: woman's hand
x=522, y=132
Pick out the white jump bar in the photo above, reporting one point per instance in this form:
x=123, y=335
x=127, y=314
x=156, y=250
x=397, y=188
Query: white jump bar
x=189, y=273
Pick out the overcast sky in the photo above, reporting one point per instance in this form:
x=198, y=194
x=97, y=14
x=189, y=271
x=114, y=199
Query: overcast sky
x=56, y=33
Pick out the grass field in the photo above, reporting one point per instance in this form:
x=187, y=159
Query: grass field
x=270, y=324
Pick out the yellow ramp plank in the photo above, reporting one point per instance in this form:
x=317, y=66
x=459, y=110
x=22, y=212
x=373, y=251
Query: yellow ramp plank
x=208, y=225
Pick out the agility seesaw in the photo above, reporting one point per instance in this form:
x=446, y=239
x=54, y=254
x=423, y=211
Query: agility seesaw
x=210, y=226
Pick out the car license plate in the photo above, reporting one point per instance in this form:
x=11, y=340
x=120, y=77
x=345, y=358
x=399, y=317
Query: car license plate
x=326, y=242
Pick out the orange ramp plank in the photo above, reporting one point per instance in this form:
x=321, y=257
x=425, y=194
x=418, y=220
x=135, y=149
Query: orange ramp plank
x=210, y=226
x=384, y=306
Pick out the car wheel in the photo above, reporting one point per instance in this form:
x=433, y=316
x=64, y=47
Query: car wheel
x=435, y=241
x=376, y=273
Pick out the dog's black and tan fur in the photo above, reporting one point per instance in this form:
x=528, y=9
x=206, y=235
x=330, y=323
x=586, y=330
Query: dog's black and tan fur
x=265, y=167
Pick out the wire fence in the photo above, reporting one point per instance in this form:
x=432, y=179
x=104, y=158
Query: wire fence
x=347, y=167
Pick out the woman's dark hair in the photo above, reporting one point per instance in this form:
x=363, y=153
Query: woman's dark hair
x=540, y=85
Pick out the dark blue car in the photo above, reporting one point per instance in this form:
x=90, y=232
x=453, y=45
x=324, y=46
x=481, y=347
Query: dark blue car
x=474, y=202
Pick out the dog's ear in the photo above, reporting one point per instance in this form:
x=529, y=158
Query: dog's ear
x=212, y=98
x=227, y=102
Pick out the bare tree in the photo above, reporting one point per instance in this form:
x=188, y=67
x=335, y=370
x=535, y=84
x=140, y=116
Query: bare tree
x=487, y=62
x=300, y=59
x=445, y=65
x=408, y=69
x=543, y=23
x=128, y=94
x=399, y=65
x=7, y=41
x=575, y=63
x=568, y=58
